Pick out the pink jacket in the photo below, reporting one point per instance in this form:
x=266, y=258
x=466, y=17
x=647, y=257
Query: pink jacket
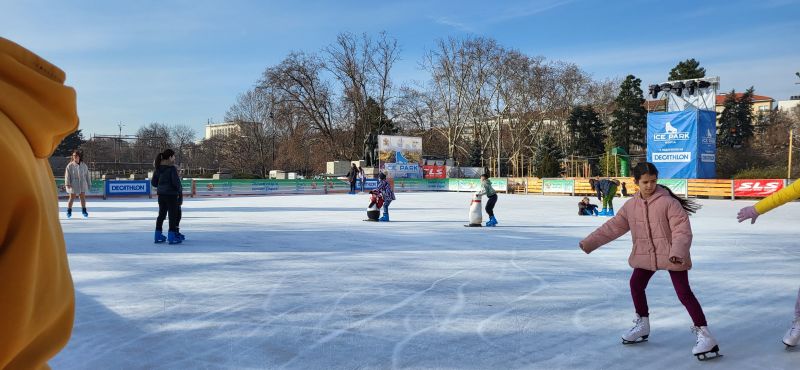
x=660, y=229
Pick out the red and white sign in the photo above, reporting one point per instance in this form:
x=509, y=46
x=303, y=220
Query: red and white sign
x=435, y=172
x=756, y=188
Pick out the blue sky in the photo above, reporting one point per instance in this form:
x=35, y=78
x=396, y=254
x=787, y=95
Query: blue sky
x=184, y=62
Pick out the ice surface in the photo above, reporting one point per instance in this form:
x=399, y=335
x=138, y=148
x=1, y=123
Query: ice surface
x=301, y=282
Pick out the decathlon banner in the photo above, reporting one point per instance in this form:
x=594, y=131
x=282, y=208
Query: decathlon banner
x=127, y=188
x=683, y=145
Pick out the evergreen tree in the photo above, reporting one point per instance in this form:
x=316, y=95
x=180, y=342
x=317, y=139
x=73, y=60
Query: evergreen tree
x=71, y=142
x=547, y=157
x=377, y=121
x=687, y=69
x=586, y=131
x=476, y=155
x=629, y=123
x=736, y=120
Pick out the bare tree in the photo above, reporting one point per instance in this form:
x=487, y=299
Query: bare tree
x=296, y=81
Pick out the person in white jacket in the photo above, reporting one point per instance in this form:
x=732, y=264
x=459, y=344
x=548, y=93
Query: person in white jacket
x=77, y=182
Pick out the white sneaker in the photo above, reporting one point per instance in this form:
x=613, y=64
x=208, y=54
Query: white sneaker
x=639, y=332
x=705, y=343
x=793, y=334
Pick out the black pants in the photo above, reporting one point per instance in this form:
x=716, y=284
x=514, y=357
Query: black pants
x=490, y=205
x=352, y=186
x=168, y=204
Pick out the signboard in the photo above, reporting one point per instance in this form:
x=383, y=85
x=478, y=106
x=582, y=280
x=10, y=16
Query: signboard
x=678, y=186
x=400, y=156
x=125, y=187
x=558, y=186
x=96, y=188
x=682, y=144
x=756, y=188
x=435, y=172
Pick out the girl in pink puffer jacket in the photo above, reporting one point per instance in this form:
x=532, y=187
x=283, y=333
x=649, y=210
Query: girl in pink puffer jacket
x=659, y=224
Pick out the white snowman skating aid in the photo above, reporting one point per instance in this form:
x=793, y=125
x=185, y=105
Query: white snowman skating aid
x=475, y=212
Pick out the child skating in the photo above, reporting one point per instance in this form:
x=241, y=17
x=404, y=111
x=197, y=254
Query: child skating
x=606, y=191
x=488, y=190
x=788, y=194
x=77, y=182
x=662, y=235
x=385, y=189
x=170, y=197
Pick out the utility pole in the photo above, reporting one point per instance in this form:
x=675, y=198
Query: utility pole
x=789, y=169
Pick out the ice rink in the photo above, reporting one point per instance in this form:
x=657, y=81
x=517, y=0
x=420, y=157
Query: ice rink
x=301, y=282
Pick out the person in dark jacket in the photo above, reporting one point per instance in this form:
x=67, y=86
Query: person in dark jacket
x=606, y=191
x=586, y=208
x=170, y=197
x=352, y=176
x=624, y=190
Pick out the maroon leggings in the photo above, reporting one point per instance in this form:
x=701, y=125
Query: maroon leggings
x=680, y=281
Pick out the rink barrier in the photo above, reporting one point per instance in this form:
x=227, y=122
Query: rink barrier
x=706, y=188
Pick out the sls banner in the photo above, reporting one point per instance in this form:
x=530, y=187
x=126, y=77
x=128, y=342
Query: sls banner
x=683, y=145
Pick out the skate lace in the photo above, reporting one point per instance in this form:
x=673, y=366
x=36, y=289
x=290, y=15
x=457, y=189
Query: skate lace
x=638, y=325
x=699, y=333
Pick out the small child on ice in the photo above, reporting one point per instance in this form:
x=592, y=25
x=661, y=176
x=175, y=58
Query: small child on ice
x=385, y=189
x=751, y=213
x=491, y=194
x=659, y=223
x=585, y=208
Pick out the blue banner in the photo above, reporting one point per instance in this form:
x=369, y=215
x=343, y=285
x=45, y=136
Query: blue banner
x=141, y=187
x=682, y=144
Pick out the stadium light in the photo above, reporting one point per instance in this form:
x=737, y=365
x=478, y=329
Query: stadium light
x=691, y=85
x=666, y=87
x=678, y=87
x=654, y=90
x=703, y=84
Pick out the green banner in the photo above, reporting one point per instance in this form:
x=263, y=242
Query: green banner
x=558, y=186
x=95, y=189
x=678, y=186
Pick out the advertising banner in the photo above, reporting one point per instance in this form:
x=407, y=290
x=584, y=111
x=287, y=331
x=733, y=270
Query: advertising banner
x=127, y=187
x=678, y=186
x=400, y=156
x=756, y=188
x=435, y=172
x=96, y=188
x=558, y=186
x=682, y=144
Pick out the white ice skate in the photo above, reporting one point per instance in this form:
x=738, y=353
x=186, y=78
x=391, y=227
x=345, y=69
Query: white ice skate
x=638, y=332
x=705, y=344
x=792, y=336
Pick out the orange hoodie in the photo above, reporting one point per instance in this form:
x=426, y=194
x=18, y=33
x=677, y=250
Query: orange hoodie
x=37, y=301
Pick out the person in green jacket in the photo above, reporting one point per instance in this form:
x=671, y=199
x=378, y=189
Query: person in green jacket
x=486, y=188
x=751, y=213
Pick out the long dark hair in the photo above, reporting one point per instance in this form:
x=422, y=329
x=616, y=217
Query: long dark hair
x=80, y=155
x=162, y=156
x=647, y=168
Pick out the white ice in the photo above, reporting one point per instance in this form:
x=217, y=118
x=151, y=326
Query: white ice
x=301, y=282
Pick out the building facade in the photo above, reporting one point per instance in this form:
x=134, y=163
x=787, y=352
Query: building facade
x=229, y=128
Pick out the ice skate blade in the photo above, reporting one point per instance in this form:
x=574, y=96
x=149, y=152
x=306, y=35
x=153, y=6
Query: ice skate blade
x=473, y=225
x=640, y=340
x=371, y=220
x=704, y=356
x=789, y=347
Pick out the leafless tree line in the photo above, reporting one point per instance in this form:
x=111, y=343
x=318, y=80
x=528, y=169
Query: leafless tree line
x=314, y=107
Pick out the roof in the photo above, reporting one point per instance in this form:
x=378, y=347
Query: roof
x=721, y=98
x=655, y=105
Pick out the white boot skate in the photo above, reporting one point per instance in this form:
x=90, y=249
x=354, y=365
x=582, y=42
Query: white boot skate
x=705, y=344
x=639, y=332
x=792, y=336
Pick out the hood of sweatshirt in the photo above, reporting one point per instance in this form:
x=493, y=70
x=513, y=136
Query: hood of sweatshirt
x=33, y=96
